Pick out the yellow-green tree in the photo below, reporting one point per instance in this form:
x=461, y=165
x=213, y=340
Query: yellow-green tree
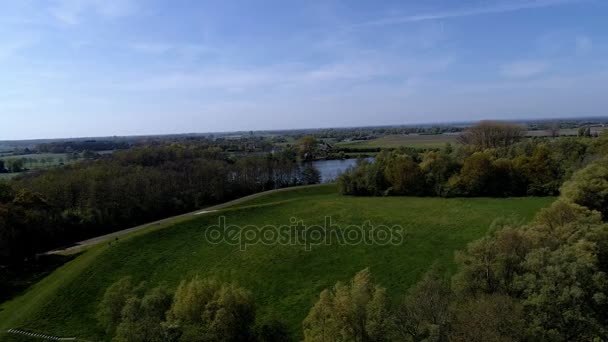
x=356, y=311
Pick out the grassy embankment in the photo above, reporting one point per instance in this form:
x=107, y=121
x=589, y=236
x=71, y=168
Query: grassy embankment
x=285, y=280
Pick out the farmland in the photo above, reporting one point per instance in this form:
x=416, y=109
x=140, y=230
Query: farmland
x=409, y=140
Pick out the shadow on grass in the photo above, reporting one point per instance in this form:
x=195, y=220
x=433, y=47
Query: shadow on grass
x=16, y=278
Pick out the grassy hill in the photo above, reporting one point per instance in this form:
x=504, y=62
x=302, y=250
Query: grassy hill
x=285, y=280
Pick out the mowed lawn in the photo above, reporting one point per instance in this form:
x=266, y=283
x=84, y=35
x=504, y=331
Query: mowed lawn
x=410, y=140
x=285, y=280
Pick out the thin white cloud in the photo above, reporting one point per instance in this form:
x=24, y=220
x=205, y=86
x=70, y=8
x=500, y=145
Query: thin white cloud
x=347, y=73
x=508, y=6
x=524, y=69
x=70, y=12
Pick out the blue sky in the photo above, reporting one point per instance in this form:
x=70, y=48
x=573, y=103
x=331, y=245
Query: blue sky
x=119, y=67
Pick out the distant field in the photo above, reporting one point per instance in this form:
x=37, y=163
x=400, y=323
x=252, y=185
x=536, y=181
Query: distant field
x=564, y=132
x=7, y=175
x=439, y=140
x=285, y=280
x=410, y=140
x=37, y=161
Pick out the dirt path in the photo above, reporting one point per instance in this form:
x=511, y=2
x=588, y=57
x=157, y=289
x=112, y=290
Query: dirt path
x=112, y=236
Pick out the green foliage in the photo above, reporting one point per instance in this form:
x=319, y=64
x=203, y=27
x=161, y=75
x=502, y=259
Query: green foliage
x=142, y=318
x=65, y=303
x=405, y=176
x=474, y=176
x=437, y=168
x=200, y=310
x=528, y=168
x=15, y=164
x=555, y=267
x=356, y=311
x=562, y=213
x=206, y=310
x=138, y=186
x=114, y=300
x=310, y=175
x=491, y=134
x=308, y=148
x=487, y=318
x=589, y=187
x=424, y=313
x=366, y=178
x=273, y=331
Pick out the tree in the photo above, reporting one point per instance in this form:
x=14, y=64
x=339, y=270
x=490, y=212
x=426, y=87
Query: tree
x=2, y=167
x=438, y=167
x=404, y=175
x=492, y=263
x=356, y=311
x=424, y=313
x=208, y=311
x=310, y=174
x=109, y=313
x=553, y=129
x=589, y=187
x=7, y=193
x=565, y=292
x=16, y=165
x=541, y=172
x=273, y=331
x=562, y=213
x=487, y=318
x=230, y=314
x=365, y=179
x=584, y=131
x=474, y=176
x=142, y=318
x=321, y=324
x=308, y=147
x=491, y=134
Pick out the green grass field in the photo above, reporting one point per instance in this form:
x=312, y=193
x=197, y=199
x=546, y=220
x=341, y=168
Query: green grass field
x=395, y=141
x=285, y=280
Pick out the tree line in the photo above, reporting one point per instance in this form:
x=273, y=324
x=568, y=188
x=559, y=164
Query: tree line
x=487, y=164
x=131, y=187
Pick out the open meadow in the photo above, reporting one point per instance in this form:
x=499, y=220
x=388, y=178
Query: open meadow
x=408, y=140
x=284, y=279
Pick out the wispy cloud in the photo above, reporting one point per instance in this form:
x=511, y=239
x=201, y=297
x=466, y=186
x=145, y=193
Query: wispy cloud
x=290, y=76
x=502, y=7
x=524, y=69
x=70, y=12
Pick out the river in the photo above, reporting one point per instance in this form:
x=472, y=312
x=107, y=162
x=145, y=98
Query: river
x=331, y=169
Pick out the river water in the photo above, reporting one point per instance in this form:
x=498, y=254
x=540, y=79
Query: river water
x=331, y=169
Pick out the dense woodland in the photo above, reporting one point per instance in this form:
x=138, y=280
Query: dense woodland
x=135, y=186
